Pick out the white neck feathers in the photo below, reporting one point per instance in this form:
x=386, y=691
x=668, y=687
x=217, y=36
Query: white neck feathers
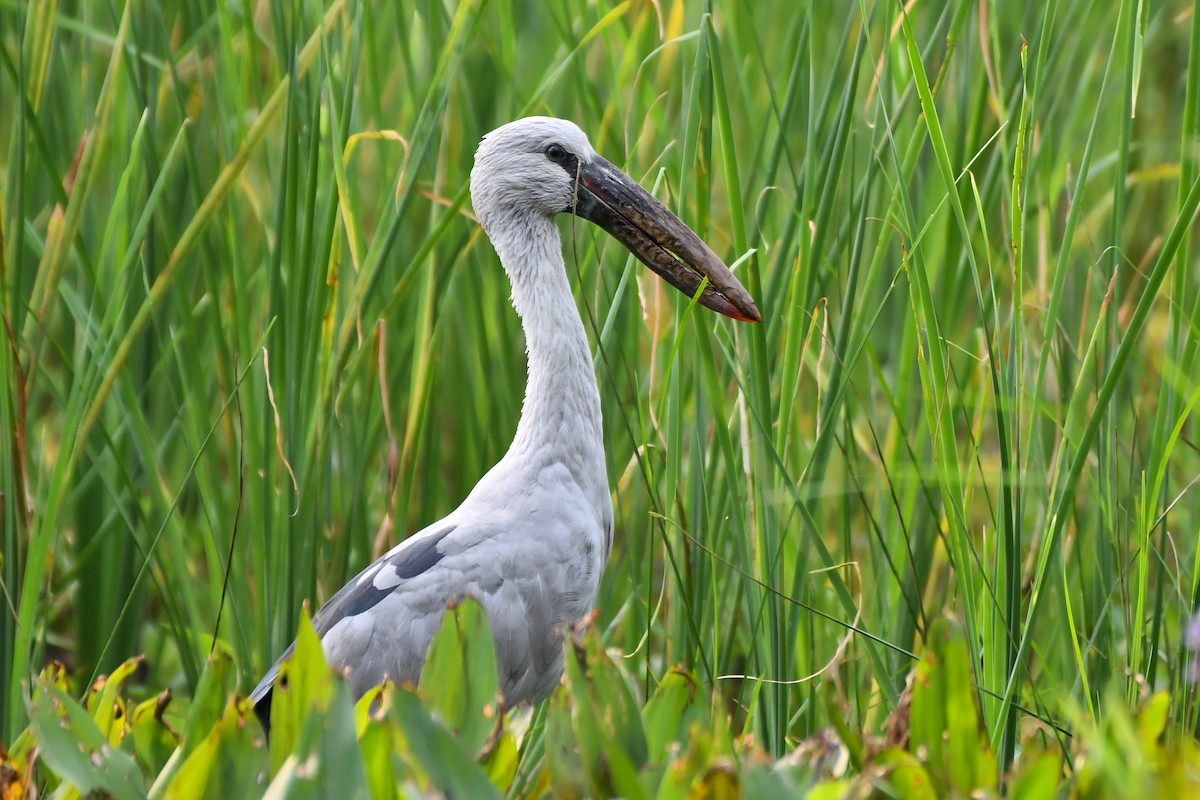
x=560, y=419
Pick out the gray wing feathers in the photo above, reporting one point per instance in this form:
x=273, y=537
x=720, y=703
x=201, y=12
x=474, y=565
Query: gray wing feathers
x=381, y=623
x=392, y=640
x=380, y=581
x=412, y=557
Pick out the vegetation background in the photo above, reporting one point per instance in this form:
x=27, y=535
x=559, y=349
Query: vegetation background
x=253, y=337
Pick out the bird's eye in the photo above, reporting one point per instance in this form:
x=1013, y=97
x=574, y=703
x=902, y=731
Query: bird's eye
x=555, y=153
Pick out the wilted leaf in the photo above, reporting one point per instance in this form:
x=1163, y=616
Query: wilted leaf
x=719, y=782
x=459, y=680
x=54, y=674
x=22, y=746
x=77, y=751
x=849, y=735
x=19, y=760
x=14, y=777
x=822, y=755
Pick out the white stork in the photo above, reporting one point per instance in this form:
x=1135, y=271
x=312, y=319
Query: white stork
x=531, y=540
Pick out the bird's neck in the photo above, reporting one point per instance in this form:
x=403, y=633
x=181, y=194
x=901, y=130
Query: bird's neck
x=560, y=419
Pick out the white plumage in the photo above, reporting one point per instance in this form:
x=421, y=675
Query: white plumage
x=531, y=540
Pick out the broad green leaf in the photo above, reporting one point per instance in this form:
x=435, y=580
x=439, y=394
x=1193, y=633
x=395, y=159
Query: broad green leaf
x=151, y=738
x=459, y=680
x=562, y=756
x=834, y=789
x=945, y=717
x=500, y=758
x=230, y=762
x=377, y=744
x=304, y=687
x=77, y=751
x=662, y=717
x=380, y=743
x=373, y=705
x=677, y=779
x=615, y=699
x=1152, y=720
x=1180, y=768
x=326, y=761
x=1037, y=779
x=208, y=706
x=104, y=700
x=438, y=754
x=606, y=723
x=905, y=778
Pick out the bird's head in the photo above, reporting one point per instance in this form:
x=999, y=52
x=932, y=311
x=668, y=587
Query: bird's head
x=541, y=166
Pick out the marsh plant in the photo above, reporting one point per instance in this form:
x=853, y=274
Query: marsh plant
x=928, y=530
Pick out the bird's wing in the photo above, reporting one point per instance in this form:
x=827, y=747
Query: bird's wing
x=412, y=557
x=530, y=572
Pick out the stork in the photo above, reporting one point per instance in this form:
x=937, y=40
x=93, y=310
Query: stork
x=531, y=541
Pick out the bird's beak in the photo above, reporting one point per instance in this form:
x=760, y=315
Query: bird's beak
x=660, y=240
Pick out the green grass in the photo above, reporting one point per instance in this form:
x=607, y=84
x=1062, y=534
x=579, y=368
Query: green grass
x=252, y=336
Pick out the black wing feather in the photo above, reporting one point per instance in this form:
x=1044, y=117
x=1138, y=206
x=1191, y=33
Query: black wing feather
x=355, y=598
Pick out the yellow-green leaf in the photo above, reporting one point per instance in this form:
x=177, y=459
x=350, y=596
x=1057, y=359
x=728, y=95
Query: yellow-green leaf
x=304, y=686
x=459, y=680
x=77, y=751
x=663, y=715
x=231, y=761
x=153, y=740
x=945, y=717
x=104, y=700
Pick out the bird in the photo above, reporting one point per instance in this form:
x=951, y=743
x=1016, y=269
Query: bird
x=531, y=540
